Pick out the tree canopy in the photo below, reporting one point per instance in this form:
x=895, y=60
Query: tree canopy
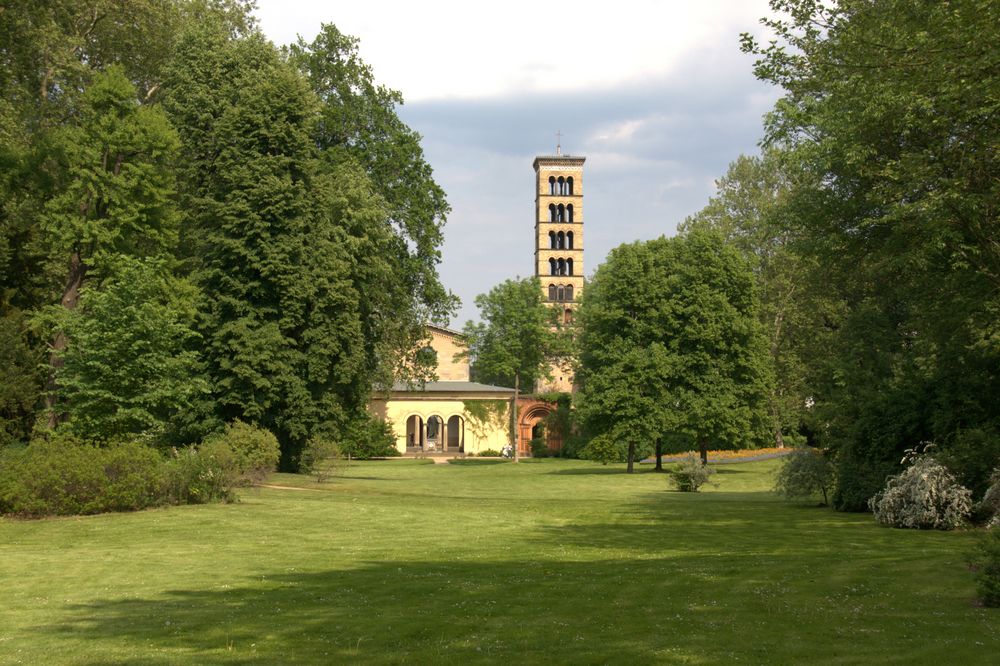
x=670, y=345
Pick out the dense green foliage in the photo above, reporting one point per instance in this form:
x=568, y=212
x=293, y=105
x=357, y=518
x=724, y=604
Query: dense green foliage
x=872, y=222
x=256, y=450
x=987, y=563
x=202, y=227
x=805, y=472
x=676, y=352
x=64, y=476
x=486, y=562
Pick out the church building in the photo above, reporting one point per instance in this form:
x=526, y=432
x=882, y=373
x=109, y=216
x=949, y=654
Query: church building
x=454, y=416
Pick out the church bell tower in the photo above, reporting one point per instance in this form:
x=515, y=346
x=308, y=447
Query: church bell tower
x=559, y=240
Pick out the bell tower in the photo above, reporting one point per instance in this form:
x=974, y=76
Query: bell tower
x=559, y=239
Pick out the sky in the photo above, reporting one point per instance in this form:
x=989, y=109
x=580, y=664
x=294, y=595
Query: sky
x=656, y=95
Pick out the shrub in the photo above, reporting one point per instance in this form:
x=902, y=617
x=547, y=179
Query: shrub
x=858, y=479
x=603, y=449
x=987, y=565
x=690, y=474
x=255, y=450
x=539, y=448
x=923, y=496
x=489, y=453
x=208, y=473
x=973, y=455
x=62, y=475
x=368, y=437
x=321, y=458
x=805, y=472
x=988, y=509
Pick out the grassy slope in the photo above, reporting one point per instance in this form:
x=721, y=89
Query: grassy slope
x=554, y=561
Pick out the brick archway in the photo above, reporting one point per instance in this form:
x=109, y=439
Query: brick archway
x=531, y=412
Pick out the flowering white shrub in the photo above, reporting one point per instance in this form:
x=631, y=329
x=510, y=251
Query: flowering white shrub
x=924, y=496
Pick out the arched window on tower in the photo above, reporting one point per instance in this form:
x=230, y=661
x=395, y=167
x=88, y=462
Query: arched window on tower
x=569, y=292
x=561, y=241
x=568, y=316
x=552, y=292
x=552, y=184
x=560, y=213
x=553, y=267
x=569, y=267
x=552, y=240
x=569, y=185
x=569, y=213
x=561, y=294
x=562, y=185
x=569, y=240
x=552, y=212
x=561, y=266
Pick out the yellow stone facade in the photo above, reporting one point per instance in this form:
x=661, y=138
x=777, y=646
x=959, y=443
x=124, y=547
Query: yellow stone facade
x=452, y=415
x=559, y=242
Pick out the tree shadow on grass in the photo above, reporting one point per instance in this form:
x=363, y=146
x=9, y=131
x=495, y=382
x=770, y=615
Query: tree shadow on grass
x=694, y=594
x=602, y=469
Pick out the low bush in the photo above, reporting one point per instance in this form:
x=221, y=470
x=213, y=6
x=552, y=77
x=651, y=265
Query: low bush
x=321, y=458
x=62, y=475
x=603, y=449
x=368, y=437
x=489, y=453
x=255, y=450
x=987, y=566
x=209, y=473
x=923, y=496
x=539, y=448
x=805, y=472
x=690, y=474
x=858, y=479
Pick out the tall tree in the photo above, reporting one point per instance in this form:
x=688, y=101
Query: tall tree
x=797, y=307
x=113, y=192
x=892, y=105
x=358, y=123
x=516, y=340
x=671, y=344
x=268, y=240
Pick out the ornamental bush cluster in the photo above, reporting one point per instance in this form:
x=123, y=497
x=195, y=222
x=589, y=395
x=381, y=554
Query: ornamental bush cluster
x=923, y=496
x=63, y=475
x=690, y=474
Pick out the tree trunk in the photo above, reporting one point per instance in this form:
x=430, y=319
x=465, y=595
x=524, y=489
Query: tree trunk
x=659, y=456
x=70, y=298
x=779, y=439
x=515, y=430
x=703, y=450
x=631, y=458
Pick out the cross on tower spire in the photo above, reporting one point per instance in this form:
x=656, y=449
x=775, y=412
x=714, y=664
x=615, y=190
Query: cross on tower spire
x=558, y=142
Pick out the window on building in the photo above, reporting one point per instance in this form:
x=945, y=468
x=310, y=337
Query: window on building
x=569, y=240
x=569, y=185
x=569, y=213
x=552, y=184
x=553, y=267
x=569, y=267
x=569, y=292
x=552, y=292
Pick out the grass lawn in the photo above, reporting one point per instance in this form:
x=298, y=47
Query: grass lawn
x=547, y=561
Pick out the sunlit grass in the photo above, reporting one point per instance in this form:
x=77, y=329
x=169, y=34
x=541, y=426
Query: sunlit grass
x=546, y=561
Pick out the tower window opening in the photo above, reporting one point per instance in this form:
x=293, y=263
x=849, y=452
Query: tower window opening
x=552, y=292
x=569, y=266
x=552, y=240
x=567, y=316
x=562, y=294
x=561, y=267
x=560, y=213
x=553, y=267
x=561, y=241
x=552, y=212
x=569, y=213
x=552, y=184
x=569, y=240
x=569, y=185
x=561, y=185
x=569, y=292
